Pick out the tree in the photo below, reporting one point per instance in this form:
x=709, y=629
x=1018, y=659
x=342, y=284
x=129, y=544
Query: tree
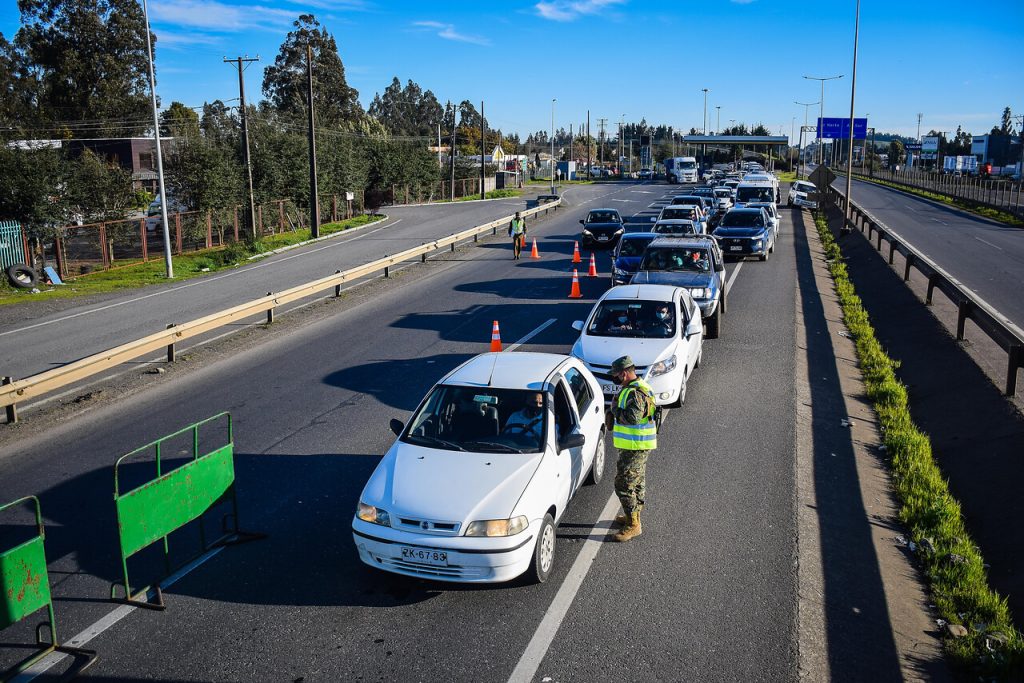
x=97, y=189
x=407, y=111
x=82, y=60
x=896, y=153
x=179, y=121
x=29, y=178
x=285, y=85
x=1006, y=123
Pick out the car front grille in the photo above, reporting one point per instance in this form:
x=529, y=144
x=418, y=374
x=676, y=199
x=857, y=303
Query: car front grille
x=428, y=526
x=431, y=571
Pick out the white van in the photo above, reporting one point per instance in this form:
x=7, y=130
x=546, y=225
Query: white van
x=755, y=191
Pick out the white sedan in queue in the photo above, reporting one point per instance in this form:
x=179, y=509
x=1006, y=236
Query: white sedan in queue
x=481, y=474
x=658, y=326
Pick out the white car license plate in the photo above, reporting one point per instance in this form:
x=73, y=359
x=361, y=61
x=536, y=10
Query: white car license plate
x=437, y=558
x=611, y=389
x=735, y=248
x=602, y=238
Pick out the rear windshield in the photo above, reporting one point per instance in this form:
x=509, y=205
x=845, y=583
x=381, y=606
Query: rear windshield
x=755, y=194
x=633, y=246
x=723, y=192
x=602, y=217
x=673, y=212
x=675, y=229
x=742, y=219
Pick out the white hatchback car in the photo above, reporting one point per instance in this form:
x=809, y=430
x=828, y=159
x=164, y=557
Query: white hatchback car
x=480, y=476
x=625, y=321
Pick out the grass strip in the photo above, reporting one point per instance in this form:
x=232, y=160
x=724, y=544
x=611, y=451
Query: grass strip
x=966, y=205
x=786, y=176
x=186, y=266
x=993, y=648
x=493, y=194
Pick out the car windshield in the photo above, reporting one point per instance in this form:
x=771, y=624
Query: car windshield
x=694, y=259
x=633, y=246
x=804, y=187
x=688, y=165
x=632, y=318
x=675, y=228
x=742, y=219
x=602, y=217
x=755, y=194
x=677, y=213
x=723, y=192
x=480, y=419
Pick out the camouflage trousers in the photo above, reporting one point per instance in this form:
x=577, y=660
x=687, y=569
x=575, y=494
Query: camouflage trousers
x=631, y=479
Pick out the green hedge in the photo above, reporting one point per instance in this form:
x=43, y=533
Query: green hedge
x=993, y=648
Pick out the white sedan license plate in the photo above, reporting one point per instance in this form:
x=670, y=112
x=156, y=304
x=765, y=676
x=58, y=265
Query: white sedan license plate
x=437, y=558
x=602, y=238
x=611, y=389
x=735, y=248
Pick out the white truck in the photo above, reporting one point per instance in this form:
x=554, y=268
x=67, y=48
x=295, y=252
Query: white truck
x=960, y=165
x=681, y=170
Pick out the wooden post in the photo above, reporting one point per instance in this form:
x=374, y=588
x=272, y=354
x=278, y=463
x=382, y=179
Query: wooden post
x=209, y=230
x=104, y=254
x=142, y=235
x=171, y=357
x=236, y=223
x=177, y=232
x=270, y=311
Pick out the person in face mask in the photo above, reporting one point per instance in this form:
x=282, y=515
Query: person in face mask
x=530, y=420
x=661, y=325
x=620, y=322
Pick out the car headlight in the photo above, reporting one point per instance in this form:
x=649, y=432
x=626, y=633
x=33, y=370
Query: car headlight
x=586, y=232
x=497, y=527
x=373, y=515
x=756, y=243
x=700, y=292
x=620, y=230
x=662, y=366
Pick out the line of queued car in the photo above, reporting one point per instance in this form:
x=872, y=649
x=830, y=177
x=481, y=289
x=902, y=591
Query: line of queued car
x=474, y=486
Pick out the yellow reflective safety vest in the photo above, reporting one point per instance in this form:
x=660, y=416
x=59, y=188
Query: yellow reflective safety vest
x=641, y=437
x=518, y=226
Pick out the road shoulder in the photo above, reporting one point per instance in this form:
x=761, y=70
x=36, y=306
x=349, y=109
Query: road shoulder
x=847, y=523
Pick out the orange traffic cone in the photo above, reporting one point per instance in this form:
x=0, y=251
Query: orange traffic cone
x=534, y=253
x=495, y=337
x=574, y=293
x=576, y=252
x=593, y=266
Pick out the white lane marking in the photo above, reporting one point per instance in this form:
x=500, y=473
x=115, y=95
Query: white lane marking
x=196, y=283
x=535, y=651
x=732, y=278
x=987, y=242
x=620, y=200
x=531, y=335
x=938, y=221
x=641, y=192
x=105, y=623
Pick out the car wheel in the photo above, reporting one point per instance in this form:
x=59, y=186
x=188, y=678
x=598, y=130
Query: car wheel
x=764, y=256
x=771, y=249
x=789, y=202
x=597, y=467
x=700, y=357
x=678, y=403
x=714, y=324
x=22, y=276
x=543, y=551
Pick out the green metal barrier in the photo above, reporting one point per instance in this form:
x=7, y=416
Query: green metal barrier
x=150, y=512
x=25, y=589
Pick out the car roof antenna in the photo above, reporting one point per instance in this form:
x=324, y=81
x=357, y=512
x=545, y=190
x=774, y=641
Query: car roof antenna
x=494, y=364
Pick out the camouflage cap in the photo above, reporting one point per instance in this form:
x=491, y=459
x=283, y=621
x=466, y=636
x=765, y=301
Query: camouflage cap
x=621, y=364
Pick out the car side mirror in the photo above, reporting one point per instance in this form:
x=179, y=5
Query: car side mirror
x=719, y=267
x=397, y=426
x=581, y=221
x=577, y=325
x=694, y=326
x=574, y=440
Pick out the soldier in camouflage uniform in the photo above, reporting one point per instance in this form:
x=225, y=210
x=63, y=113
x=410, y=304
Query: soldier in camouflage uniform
x=635, y=435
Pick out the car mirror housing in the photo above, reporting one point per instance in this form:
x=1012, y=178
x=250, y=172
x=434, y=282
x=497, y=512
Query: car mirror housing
x=574, y=440
x=397, y=426
x=577, y=325
x=581, y=221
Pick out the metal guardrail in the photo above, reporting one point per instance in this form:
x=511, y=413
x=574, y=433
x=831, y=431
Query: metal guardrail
x=19, y=391
x=997, y=326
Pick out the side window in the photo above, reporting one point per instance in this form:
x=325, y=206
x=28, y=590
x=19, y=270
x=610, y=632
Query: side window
x=565, y=419
x=580, y=389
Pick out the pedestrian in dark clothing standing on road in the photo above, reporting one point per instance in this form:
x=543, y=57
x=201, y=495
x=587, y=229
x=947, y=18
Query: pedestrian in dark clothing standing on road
x=635, y=435
x=517, y=231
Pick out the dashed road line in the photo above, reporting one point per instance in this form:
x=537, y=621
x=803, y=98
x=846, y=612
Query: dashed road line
x=530, y=335
x=987, y=242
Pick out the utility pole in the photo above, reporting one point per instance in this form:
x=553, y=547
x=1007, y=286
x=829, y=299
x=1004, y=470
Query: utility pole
x=589, y=164
x=621, y=145
x=483, y=153
x=704, y=148
x=451, y=154
x=439, y=146
x=168, y=262
x=919, y=117
x=314, y=197
x=600, y=142
x=240, y=62
x=718, y=119
x=553, y=100
x=849, y=150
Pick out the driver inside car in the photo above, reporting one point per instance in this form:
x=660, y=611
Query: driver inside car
x=530, y=419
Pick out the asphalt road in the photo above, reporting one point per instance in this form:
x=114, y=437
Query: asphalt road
x=31, y=343
x=985, y=255
x=708, y=592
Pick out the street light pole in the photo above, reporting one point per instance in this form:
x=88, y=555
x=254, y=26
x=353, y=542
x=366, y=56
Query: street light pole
x=704, y=151
x=849, y=153
x=553, y=100
x=821, y=102
x=168, y=263
x=718, y=119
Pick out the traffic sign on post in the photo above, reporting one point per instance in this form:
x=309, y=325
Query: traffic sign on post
x=839, y=129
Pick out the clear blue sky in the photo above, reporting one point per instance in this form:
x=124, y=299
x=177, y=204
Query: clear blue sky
x=956, y=64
